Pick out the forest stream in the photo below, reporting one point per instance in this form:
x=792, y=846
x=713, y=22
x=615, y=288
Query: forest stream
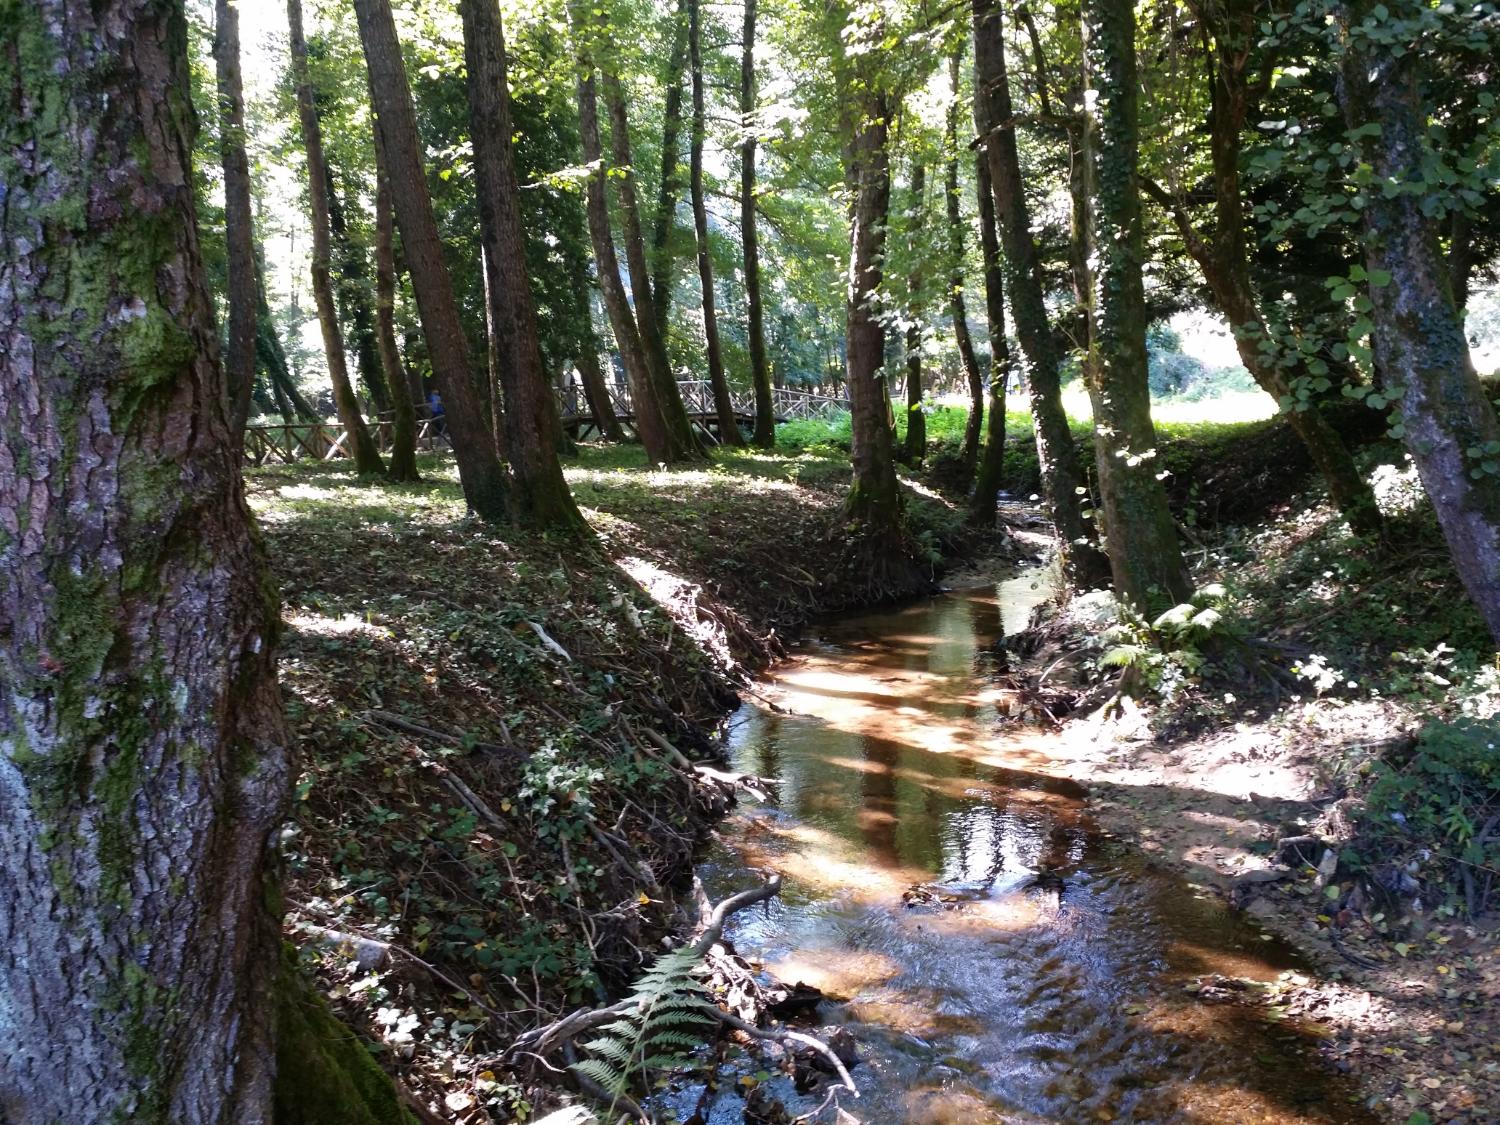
x=996, y=956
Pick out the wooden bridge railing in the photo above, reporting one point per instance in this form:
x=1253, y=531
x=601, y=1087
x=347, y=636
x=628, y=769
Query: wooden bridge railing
x=698, y=398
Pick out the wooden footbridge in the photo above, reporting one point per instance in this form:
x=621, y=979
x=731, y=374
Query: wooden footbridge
x=328, y=441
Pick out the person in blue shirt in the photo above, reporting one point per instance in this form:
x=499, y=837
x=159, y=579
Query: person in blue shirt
x=439, y=422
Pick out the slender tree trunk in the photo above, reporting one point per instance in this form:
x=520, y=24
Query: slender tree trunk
x=982, y=506
x=671, y=184
x=239, y=226
x=353, y=293
x=729, y=426
x=403, y=465
x=1144, y=554
x=271, y=357
x=360, y=445
x=542, y=498
x=957, y=307
x=483, y=478
x=644, y=403
x=145, y=759
x=1083, y=565
x=682, y=442
x=764, y=434
x=915, y=448
x=595, y=388
x=1418, y=342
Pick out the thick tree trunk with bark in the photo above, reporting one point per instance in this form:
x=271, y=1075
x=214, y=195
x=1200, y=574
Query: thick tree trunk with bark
x=764, y=434
x=1141, y=537
x=403, y=464
x=915, y=447
x=729, y=426
x=145, y=763
x=541, y=497
x=957, y=306
x=1418, y=342
x=682, y=442
x=479, y=470
x=982, y=505
x=671, y=184
x=358, y=441
x=239, y=226
x=1083, y=565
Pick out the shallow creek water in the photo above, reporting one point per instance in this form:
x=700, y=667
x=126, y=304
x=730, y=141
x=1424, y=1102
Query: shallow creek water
x=1043, y=979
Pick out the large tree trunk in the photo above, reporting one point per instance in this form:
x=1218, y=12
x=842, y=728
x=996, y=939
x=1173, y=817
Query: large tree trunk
x=682, y=442
x=1141, y=538
x=239, y=226
x=1418, y=341
x=957, y=306
x=671, y=185
x=644, y=404
x=916, y=422
x=982, y=506
x=729, y=426
x=403, y=466
x=145, y=763
x=1083, y=565
x=764, y=434
x=541, y=497
x=483, y=478
x=359, y=444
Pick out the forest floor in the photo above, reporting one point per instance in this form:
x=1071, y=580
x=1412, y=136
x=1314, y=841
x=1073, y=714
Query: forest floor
x=1336, y=653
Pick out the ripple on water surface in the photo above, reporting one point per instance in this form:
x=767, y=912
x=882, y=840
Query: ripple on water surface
x=1039, y=975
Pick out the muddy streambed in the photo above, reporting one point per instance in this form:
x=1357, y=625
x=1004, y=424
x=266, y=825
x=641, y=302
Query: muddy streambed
x=1041, y=971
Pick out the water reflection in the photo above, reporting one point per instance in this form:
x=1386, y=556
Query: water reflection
x=1039, y=977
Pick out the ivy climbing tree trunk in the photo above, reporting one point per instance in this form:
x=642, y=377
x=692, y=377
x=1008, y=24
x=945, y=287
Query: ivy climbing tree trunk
x=145, y=763
x=483, y=478
x=915, y=447
x=403, y=464
x=729, y=426
x=764, y=434
x=1083, y=565
x=359, y=444
x=1417, y=338
x=1141, y=537
x=541, y=497
x=957, y=306
x=982, y=506
x=239, y=226
x=670, y=189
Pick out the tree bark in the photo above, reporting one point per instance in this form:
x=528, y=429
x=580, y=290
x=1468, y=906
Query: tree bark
x=239, y=226
x=1418, y=342
x=145, y=763
x=1083, y=565
x=542, y=499
x=644, y=403
x=729, y=426
x=915, y=448
x=1139, y=533
x=957, y=306
x=483, y=478
x=682, y=442
x=982, y=505
x=764, y=434
x=403, y=464
x=360, y=445
x=671, y=185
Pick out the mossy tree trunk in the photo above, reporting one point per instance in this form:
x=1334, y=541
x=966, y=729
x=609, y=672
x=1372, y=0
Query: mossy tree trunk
x=239, y=226
x=764, y=434
x=1140, y=535
x=358, y=442
x=145, y=763
x=403, y=464
x=729, y=426
x=982, y=504
x=541, y=498
x=484, y=481
x=1083, y=565
x=1418, y=341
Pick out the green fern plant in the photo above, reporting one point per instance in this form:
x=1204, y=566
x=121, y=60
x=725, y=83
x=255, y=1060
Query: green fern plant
x=655, y=1032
